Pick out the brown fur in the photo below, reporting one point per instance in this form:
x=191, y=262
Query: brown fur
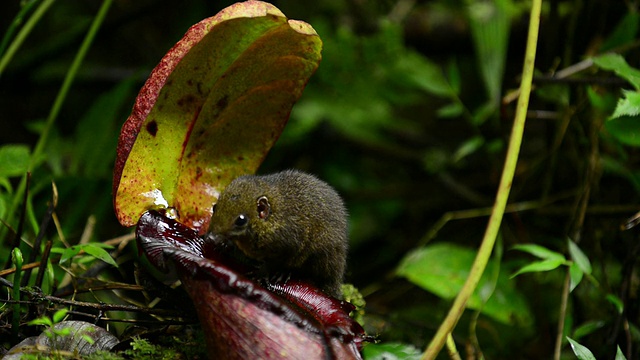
x=294, y=225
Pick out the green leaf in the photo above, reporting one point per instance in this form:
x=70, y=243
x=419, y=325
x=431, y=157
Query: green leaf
x=68, y=253
x=99, y=253
x=539, y=251
x=451, y=110
x=616, y=301
x=483, y=112
x=625, y=129
x=455, y=80
x=211, y=110
x=95, y=130
x=424, y=74
x=579, y=257
x=490, y=22
x=468, y=147
x=603, y=101
x=556, y=94
x=59, y=315
x=540, y=266
x=587, y=328
x=619, y=354
x=41, y=321
x=443, y=268
x=388, y=351
x=94, y=249
x=575, y=274
x=625, y=32
x=88, y=339
x=581, y=351
x=628, y=105
x=14, y=160
x=617, y=64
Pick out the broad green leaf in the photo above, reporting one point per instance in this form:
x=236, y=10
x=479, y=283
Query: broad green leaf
x=211, y=110
x=628, y=105
x=99, y=253
x=581, y=351
x=443, y=268
x=68, y=253
x=579, y=257
x=625, y=129
x=619, y=354
x=14, y=160
x=575, y=275
x=539, y=251
x=540, y=266
x=617, y=64
x=94, y=249
x=390, y=351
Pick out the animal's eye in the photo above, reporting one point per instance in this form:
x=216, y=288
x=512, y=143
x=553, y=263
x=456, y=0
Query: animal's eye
x=264, y=208
x=241, y=220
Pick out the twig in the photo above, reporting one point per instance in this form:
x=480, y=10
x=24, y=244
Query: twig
x=34, y=294
x=43, y=263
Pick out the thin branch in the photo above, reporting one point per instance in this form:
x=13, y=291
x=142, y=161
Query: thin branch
x=40, y=297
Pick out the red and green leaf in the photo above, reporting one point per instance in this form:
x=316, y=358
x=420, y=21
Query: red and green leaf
x=211, y=110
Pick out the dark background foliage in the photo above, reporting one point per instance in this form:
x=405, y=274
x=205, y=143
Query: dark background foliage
x=402, y=142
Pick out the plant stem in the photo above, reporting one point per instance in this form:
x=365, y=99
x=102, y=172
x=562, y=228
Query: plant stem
x=563, y=311
x=24, y=32
x=62, y=94
x=502, y=196
x=68, y=80
x=16, y=258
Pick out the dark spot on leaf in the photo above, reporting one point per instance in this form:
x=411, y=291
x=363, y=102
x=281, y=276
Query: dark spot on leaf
x=187, y=100
x=240, y=158
x=152, y=127
x=198, y=172
x=222, y=103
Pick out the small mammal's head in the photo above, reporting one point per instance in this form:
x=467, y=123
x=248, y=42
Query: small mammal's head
x=242, y=213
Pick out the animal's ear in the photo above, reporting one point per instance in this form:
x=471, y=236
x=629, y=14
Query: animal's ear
x=264, y=208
